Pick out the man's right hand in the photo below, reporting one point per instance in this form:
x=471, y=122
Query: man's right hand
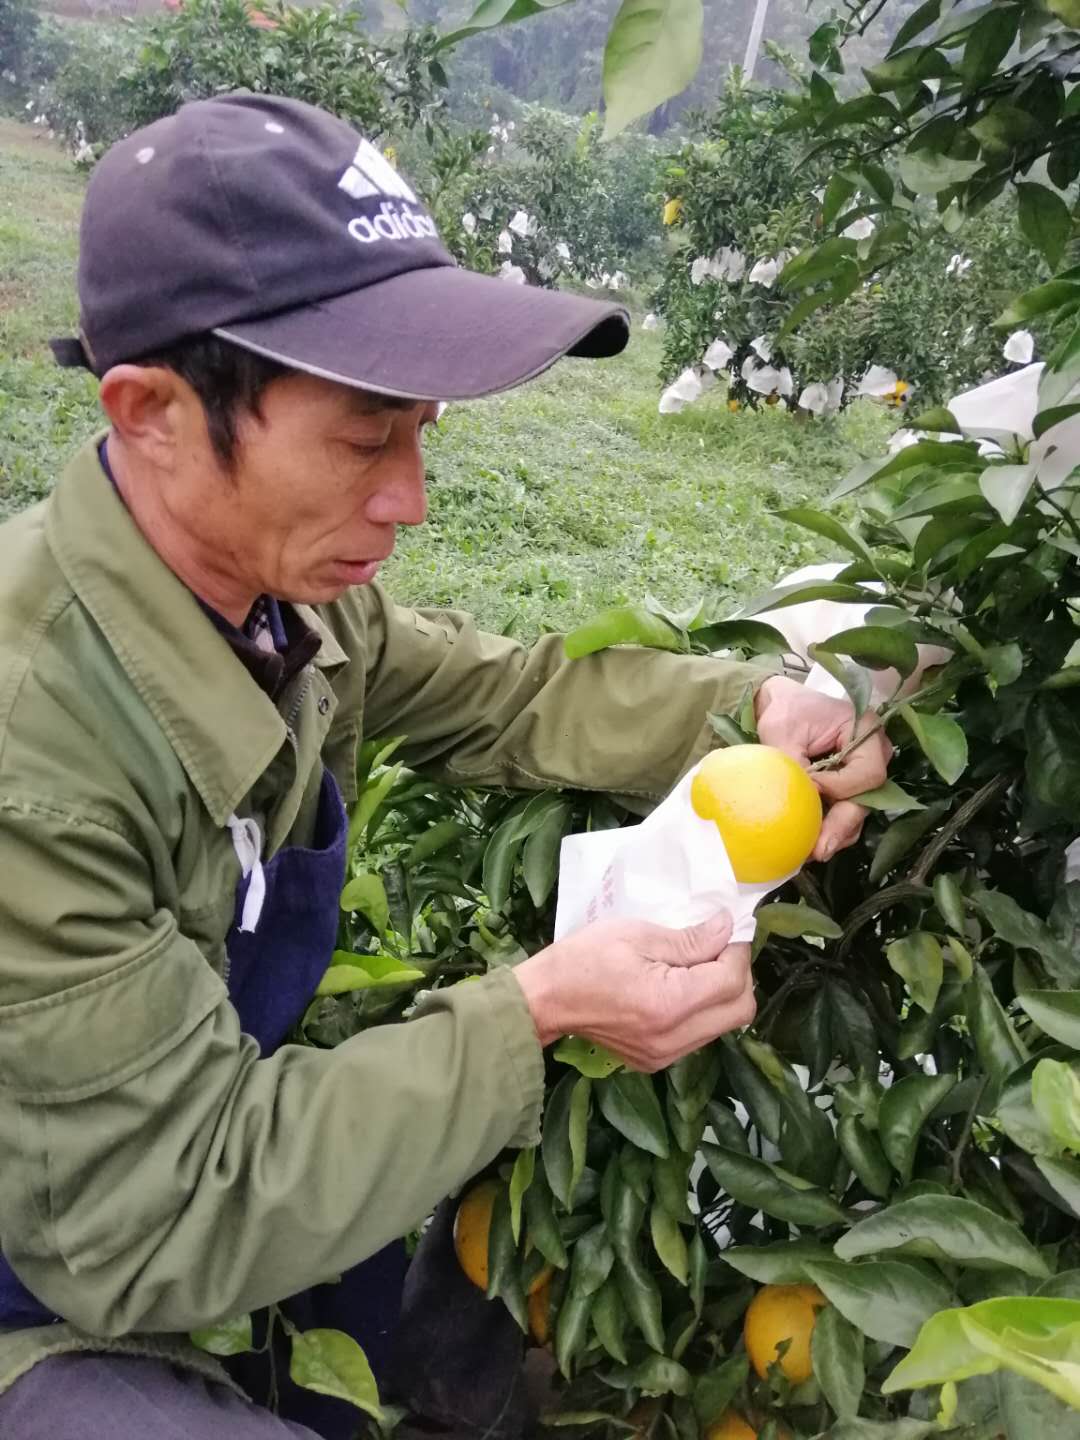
x=649, y=993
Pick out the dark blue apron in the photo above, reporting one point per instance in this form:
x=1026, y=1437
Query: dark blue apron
x=281, y=941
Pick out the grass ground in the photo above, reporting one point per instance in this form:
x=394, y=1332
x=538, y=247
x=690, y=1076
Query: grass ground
x=546, y=504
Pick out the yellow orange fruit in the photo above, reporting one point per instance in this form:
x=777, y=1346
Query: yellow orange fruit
x=538, y=1306
x=472, y=1226
x=765, y=805
x=730, y=1426
x=778, y=1313
x=672, y=211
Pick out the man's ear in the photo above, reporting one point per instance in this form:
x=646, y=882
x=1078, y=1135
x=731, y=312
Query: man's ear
x=150, y=408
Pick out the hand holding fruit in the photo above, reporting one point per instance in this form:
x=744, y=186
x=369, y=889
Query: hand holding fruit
x=647, y=992
x=808, y=725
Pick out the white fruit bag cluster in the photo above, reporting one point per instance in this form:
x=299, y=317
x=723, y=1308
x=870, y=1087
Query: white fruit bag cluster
x=671, y=869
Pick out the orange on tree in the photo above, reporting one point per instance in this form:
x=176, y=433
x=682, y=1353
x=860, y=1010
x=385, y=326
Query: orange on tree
x=778, y=1313
x=538, y=1306
x=765, y=805
x=472, y=1227
x=730, y=1426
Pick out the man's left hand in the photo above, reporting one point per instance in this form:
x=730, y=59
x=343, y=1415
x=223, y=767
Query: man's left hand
x=807, y=725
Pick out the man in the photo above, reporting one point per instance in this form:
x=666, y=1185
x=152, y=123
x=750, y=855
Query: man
x=192, y=643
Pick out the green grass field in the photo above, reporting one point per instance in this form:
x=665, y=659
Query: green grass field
x=546, y=504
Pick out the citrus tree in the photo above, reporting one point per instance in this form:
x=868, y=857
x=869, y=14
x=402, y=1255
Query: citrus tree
x=856, y=1219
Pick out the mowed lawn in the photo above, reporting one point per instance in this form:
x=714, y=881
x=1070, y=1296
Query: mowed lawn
x=546, y=504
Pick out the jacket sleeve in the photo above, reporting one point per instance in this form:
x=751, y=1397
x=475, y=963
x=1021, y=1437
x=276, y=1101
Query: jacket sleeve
x=481, y=709
x=155, y=1174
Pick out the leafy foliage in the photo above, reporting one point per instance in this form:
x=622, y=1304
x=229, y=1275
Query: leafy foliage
x=900, y=1127
x=928, y=317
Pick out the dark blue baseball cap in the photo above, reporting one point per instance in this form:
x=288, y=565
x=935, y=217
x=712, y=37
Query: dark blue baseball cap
x=275, y=226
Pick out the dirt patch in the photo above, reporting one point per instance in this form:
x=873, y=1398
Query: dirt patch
x=12, y=296
x=15, y=136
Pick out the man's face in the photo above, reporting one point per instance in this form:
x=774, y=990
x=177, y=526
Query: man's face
x=321, y=481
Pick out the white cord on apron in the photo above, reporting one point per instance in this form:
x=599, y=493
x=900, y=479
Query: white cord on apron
x=247, y=842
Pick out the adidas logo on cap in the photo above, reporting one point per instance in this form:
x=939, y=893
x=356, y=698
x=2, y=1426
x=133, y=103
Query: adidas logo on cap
x=372, y=174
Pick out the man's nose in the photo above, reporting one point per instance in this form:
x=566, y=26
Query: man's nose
x=401, y=499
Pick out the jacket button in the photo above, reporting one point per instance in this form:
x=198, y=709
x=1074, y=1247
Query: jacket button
x=324, y=704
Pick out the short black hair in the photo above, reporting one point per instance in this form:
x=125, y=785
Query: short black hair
x=228, y=379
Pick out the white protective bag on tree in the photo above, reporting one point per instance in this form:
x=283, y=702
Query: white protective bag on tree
x=673, y=869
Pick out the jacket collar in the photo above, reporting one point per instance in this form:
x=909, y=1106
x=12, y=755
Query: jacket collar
x=224, y=729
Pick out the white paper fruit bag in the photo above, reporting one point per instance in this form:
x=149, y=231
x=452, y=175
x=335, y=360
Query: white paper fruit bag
x=671, y=869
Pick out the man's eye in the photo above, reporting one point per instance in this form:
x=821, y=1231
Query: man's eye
x=366, y=448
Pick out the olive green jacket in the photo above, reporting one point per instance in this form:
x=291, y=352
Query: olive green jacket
x=156, y=1175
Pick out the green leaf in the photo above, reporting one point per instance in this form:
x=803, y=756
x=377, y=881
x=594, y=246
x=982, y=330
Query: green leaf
x=595, y=1061
x=1055, y=1012
x=753, y=636
x=904, y=1110
x=593, y=1261
x=917, y=959
x=505, y=1280
x=790, y=921
x=998, y=1046
x=879, y=647
x=669, y=1244
x=901, y=837
x=1051, y=296
x=781, y=596
x=332, y=1363
x=490, y=13
x=624, y=625
x=855, y=680
x=1006, y=487
x=231, y=1337
x=767, y=1187
x=572, y=1328
x=836, y=1349
x=1062, y=1174
x=1030, y=1335
x=786, y=1262
x=434, y=839
x=628, y=1103
x=348, y=971
x=884, y=1299
x=889, y=797
x=641, y=1297
x=937, y=419
x=717, y=1386
x=948, y=1229
x=989, y=42
x=828, y=527
x=540, y=860
x=371, y=797
x=749, y=1085
x=542, y=1227
x=367, y=893
x=1053, y=752
x=1055, y=1093
x=915, y=24
x=727, y=731
x=1044, y=219
x=942, y=741
x=926, y=173
x=521, y=1177
x=1024, y=931
x=655, y=1375
x=563, y=1141
x=950, y=902
x=609, y=1320
x=653, y=52
x=862, y=1150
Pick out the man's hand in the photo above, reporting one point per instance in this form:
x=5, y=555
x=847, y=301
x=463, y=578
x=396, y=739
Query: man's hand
x=649, y=993
x=807, y=725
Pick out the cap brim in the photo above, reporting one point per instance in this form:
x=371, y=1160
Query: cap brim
x=436, y=334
